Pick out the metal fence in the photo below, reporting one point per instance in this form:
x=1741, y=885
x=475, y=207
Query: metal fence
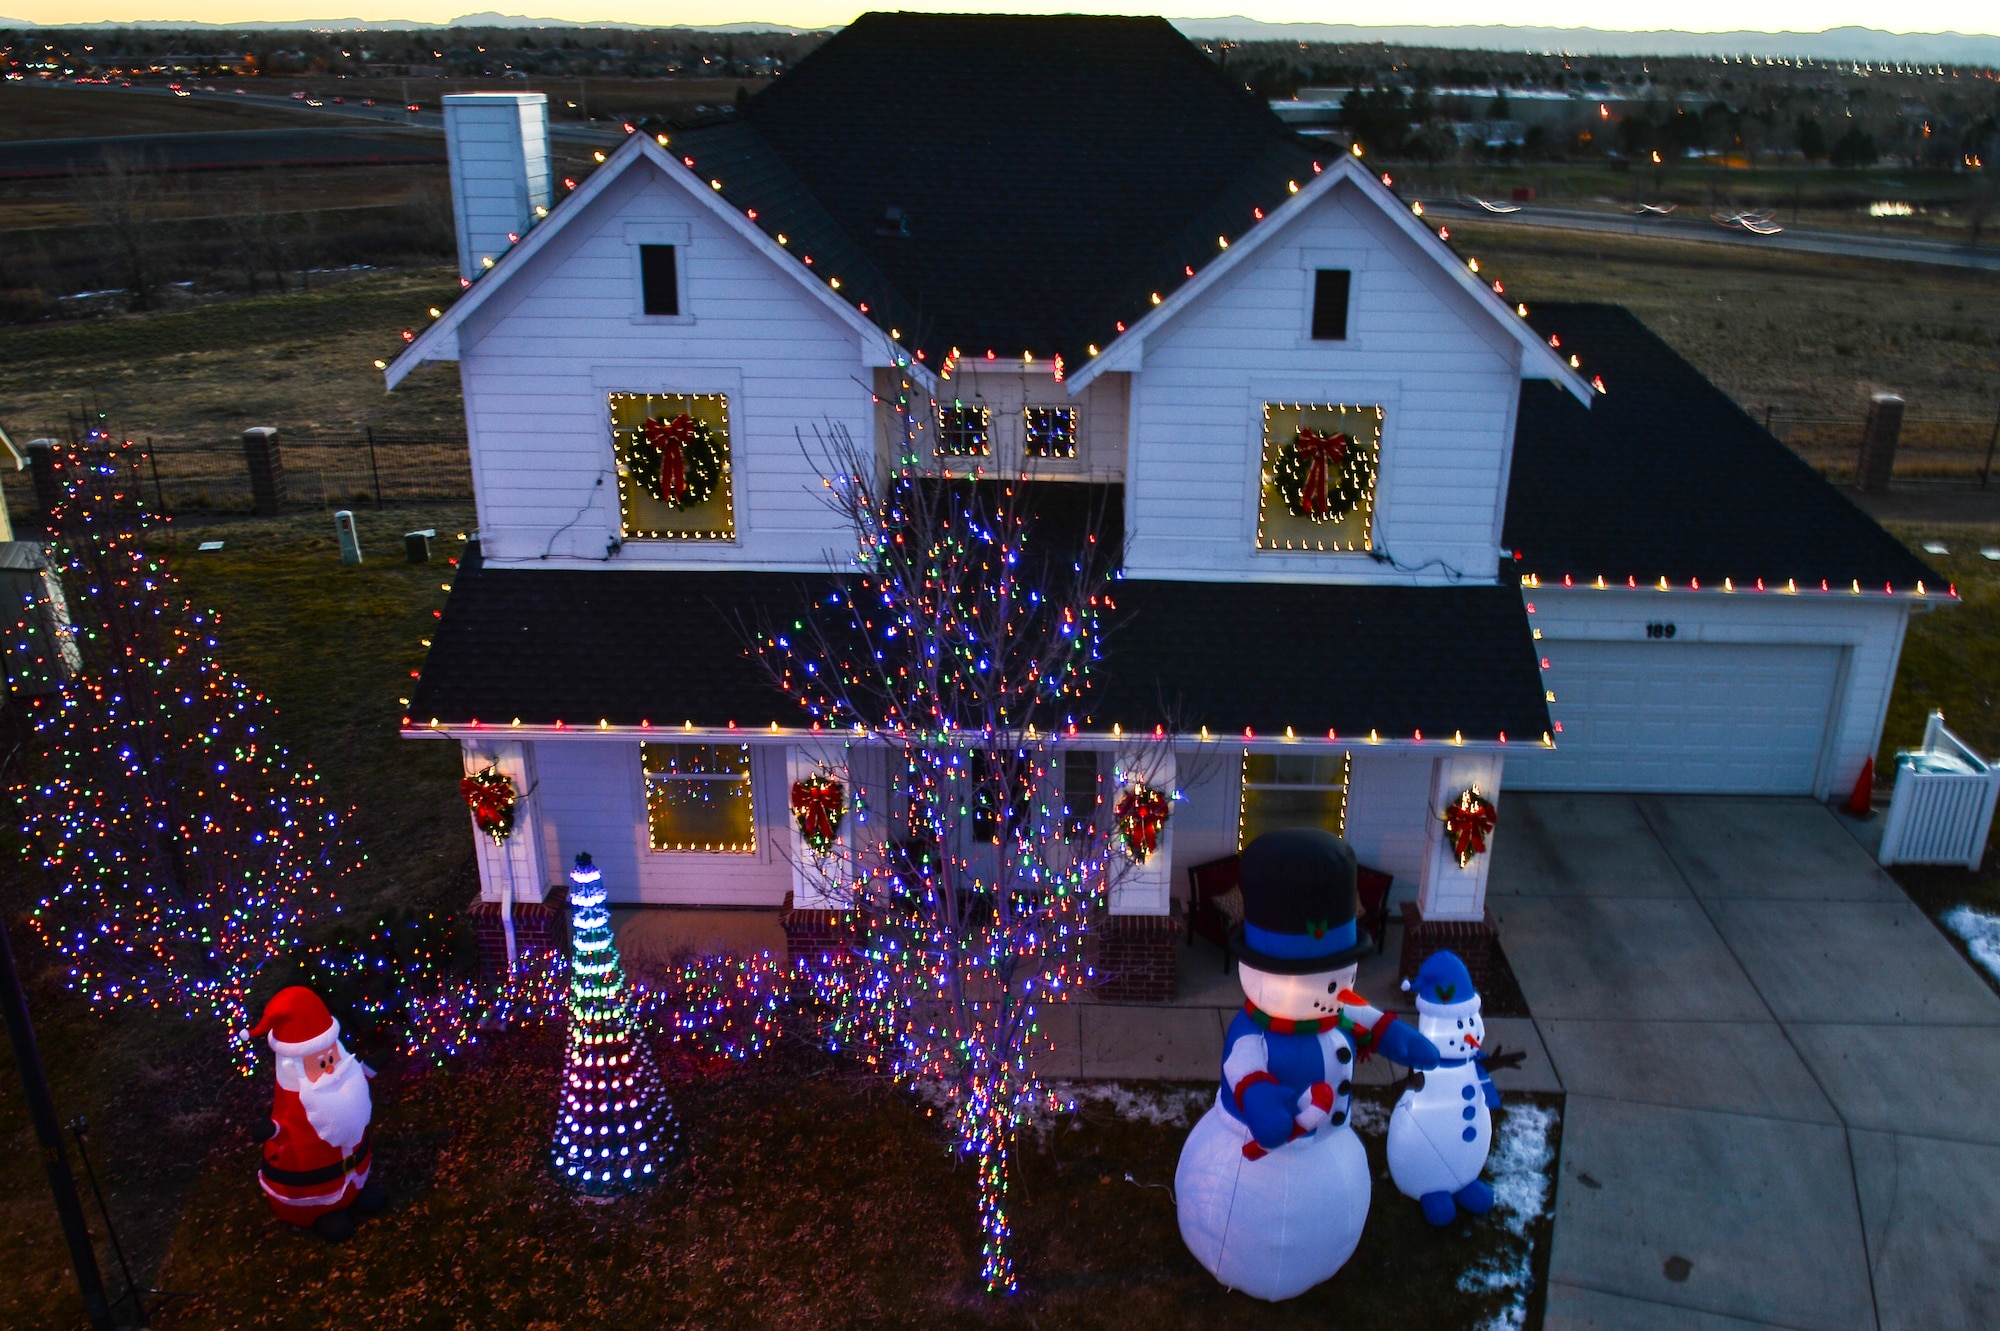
x=319, y=472
x=1940, y=451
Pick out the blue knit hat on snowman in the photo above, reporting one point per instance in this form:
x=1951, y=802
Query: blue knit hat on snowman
x=1443, y=987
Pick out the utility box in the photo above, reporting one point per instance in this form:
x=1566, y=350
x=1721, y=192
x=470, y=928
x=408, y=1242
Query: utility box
x=1942, y=809
x=1879, y=434
x=350, y=539
x=417, y=545
x=267, y=470
x=39, y=649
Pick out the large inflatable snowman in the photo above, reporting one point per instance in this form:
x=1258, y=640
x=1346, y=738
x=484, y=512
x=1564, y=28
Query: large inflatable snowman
x=1442, y=1126
x=1273, y=1185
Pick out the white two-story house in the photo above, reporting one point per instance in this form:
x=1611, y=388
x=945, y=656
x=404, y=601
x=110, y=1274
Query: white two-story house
x=1388, y=535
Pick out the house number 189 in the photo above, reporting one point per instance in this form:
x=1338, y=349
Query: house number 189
x=1659, y=630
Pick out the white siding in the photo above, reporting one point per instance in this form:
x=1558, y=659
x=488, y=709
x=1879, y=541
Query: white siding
x=1417, y=345
x=592, y=797
x=539, y=359
x=1867, y=631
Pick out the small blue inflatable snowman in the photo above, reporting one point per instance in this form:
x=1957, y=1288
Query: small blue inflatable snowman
x=1442, y=1126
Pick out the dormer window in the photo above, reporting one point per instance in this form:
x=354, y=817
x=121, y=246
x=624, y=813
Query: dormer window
x=1049, y=432
x=658, y=281
x=964, y=432
x=1330, y=291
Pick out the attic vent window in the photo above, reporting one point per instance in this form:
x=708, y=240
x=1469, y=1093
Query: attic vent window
x=1050, y=432
x=658, y=281
x=962, y=431
x=895, y=222
x=1330, y=289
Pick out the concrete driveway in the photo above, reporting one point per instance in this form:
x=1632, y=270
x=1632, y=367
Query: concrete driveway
x=1784, y=1084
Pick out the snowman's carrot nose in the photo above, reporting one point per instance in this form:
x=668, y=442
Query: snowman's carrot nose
x=1472, y=1040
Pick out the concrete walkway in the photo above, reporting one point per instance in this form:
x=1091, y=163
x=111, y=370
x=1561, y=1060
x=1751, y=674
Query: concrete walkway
x=1783, y=1083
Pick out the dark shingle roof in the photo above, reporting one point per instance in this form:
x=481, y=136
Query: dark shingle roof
x=1665, y=476
x=584, y=645
x=1054, y=171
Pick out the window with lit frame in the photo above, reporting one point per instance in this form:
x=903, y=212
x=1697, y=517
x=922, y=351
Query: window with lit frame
x=698, y=798
x=1292, y=790
x=1317, y=477
x=964, y=432
x=675, y=479
x=1049, y=432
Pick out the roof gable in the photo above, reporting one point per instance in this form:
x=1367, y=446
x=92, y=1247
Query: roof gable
x=1538, y=359
x=440, y=340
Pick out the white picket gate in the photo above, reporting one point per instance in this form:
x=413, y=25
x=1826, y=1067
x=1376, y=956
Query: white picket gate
x=1942, y=809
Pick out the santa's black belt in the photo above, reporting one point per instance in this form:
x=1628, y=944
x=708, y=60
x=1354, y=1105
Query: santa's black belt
x=306, y=1178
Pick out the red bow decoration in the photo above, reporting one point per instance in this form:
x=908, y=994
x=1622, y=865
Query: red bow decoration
x=1468, y=821
x=490, y=795
x=1320, y=451
x=1141, y=813
x=816, y=803
x=671, y=438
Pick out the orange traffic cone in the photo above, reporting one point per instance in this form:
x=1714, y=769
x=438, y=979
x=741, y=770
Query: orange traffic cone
x=1862, y=802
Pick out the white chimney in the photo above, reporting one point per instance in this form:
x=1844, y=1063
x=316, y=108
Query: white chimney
x=498, y=143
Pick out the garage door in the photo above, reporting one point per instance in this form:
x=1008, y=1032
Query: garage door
x=1683, y=716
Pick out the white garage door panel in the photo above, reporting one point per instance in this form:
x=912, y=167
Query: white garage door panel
x=1734, y=718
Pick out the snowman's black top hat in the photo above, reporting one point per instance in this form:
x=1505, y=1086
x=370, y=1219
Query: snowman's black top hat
x=1299, y=904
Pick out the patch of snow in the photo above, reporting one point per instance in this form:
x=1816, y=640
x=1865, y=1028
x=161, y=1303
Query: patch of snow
x=1369, y=1117
x=1518, y=1169
x=1137, y=1102
x=1981, y=933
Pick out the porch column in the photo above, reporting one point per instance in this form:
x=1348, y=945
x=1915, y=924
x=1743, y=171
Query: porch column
x=1143, y=887
x=821, y=880
x=1444, y=890
x=516, y=865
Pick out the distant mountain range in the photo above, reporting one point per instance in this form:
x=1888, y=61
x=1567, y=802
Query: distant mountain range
x=1865, y=44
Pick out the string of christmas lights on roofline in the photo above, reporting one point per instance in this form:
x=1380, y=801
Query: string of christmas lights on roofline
x=1730, y=586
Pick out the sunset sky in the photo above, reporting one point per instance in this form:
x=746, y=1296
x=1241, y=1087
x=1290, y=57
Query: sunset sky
x=1968, y=16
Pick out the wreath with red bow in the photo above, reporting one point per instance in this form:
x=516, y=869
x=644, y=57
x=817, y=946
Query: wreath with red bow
x=679, y=461
x=1322, y=477
x=817, y=803
x=1141, y=813
x=1468, y=821
x=491, y=796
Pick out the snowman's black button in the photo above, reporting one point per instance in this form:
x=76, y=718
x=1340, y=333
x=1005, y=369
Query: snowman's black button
x=1344, y=1088
x=1343, y=1055
x=1339, y=1117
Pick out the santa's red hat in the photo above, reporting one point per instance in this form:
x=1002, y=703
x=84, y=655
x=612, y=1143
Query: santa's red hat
x=296, y=1023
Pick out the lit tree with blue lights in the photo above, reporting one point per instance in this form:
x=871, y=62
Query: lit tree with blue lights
x=183, y=849
x=955, y=655
x=615, y=1131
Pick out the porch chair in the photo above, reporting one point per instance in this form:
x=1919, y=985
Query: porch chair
x=1215, y=904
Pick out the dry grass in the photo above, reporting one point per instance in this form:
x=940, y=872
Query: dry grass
x=300, y=362
x=1806, y=334
x=31, y=112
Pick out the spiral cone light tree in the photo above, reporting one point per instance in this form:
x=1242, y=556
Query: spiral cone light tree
x=615, y=1131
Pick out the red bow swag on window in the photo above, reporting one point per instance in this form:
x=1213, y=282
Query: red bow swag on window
x=1141, y=813
x=678, y=461
x=1468, y=821
x=1321, y=476
x=491, y=797
x=817, y=803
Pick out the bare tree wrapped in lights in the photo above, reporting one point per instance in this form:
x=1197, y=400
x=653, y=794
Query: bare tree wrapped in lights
x=184, y=850
x=945, y=667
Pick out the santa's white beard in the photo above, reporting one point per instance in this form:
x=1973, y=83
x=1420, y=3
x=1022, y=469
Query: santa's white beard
x=337, y=1105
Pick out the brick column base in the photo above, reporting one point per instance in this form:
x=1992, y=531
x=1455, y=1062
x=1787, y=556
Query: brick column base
x=817, y=933
x=1136, y=957
x=1475, y=941
x=539, y=928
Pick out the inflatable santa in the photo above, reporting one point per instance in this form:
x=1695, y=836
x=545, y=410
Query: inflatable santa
x=1273, y=1185
x=316, y=1155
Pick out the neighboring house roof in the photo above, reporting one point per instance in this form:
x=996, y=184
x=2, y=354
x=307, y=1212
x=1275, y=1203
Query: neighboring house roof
x=1666, y=477
x=1395, y=660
